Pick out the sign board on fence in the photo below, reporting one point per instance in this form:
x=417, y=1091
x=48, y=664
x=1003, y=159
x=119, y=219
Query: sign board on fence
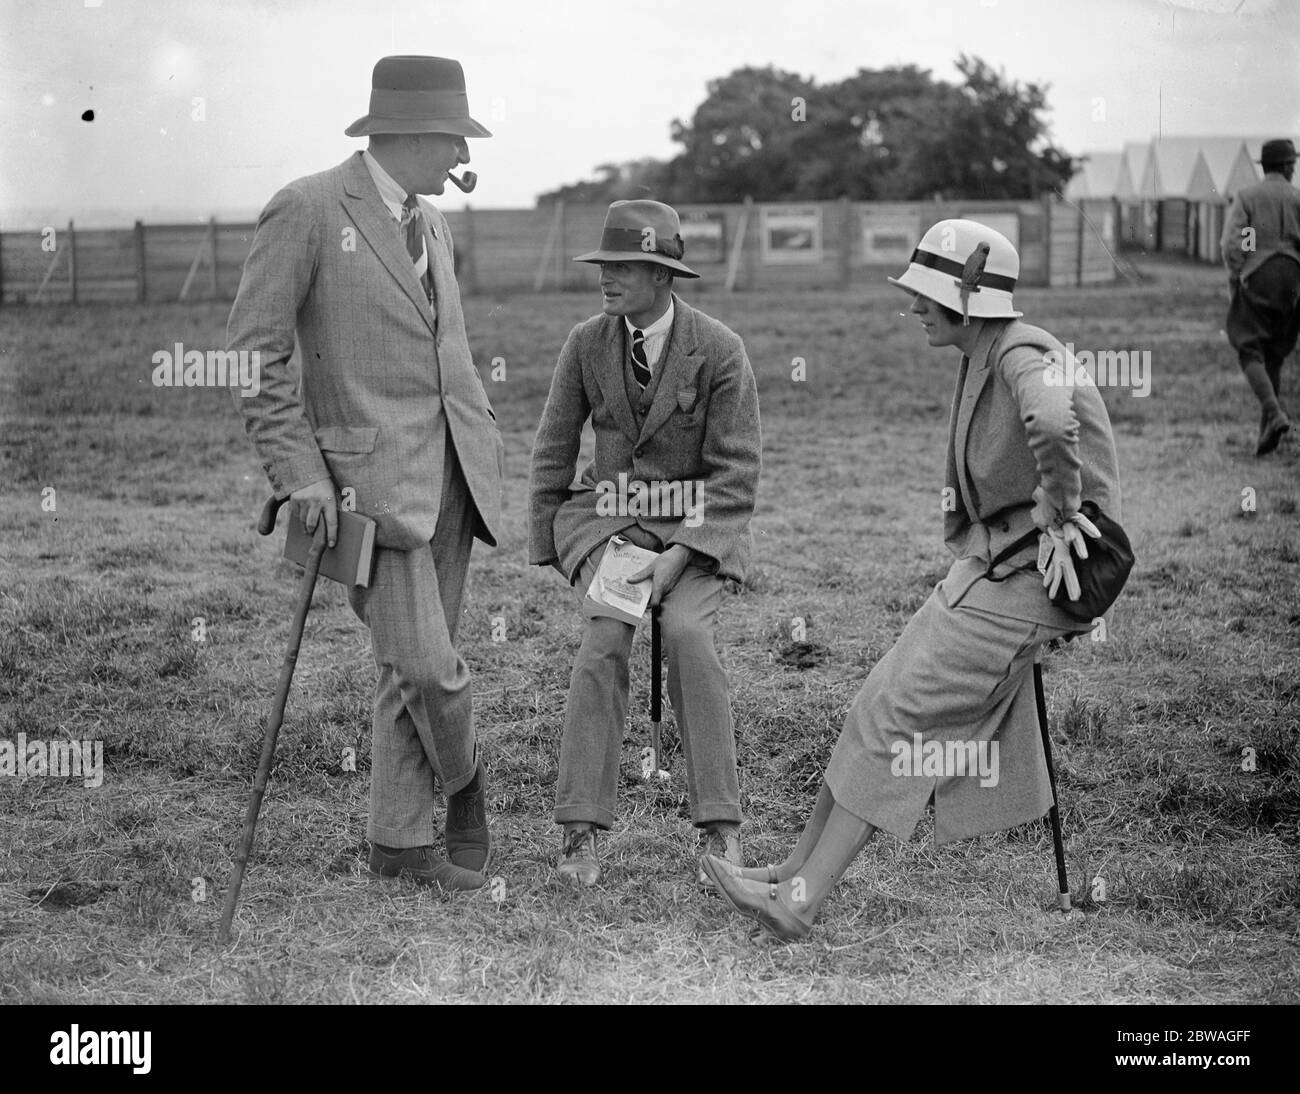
x=792, y=234
x=1006, y=223
x=888, y=239
x=705, y=236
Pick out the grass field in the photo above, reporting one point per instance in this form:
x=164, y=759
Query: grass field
x=1184, y=864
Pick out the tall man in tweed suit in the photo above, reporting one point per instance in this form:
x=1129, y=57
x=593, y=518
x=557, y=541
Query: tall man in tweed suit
x=1261, y=249
x=390, y=409
x=674, y=407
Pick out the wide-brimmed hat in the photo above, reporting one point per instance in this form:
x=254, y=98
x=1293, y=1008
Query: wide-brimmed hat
x=965, y=266
x=1279, y=151
x=417, y=95
x=642, y=231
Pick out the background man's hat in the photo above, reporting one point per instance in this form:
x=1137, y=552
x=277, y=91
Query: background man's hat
x=642, y=231
x=417, y=95
x=1279, y=151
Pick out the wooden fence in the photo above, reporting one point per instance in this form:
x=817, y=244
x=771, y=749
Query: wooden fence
x=797, y=247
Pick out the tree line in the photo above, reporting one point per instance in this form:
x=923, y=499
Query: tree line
x=893, y=134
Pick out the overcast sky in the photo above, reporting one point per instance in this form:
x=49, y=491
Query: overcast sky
x=564, y=85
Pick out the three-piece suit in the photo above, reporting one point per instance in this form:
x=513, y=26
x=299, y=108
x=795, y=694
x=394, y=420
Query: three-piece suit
x=695, y=422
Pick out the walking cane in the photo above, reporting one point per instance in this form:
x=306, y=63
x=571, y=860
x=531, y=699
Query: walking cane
x=1063, y=897
x=265, y=526
x=656, y=689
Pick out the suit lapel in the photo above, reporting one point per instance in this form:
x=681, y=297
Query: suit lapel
x=373, y=221
x=677, y=368
x=450, y=320
x=609, y=376
x=976, y=372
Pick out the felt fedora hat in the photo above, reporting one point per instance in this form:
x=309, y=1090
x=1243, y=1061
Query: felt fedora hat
x=1279, y=151
x=417, y=95
x=642, y=231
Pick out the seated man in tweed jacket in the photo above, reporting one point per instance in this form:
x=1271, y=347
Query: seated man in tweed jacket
x=672, y=400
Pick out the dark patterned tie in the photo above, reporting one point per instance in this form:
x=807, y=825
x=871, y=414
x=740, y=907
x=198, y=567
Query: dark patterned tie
x=640, y=367
x=413, y=232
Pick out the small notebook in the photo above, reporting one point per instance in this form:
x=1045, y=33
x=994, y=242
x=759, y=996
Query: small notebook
x=349, y=561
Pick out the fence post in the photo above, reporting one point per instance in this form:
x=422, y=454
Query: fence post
x=213, y=282
x=1078, y=271
x=72, y=261
x=1047, y=240
x=846, y=242
x=140, y=282
x=469, y=282
x=738, y=245
x=545, y=260
x=560, y=268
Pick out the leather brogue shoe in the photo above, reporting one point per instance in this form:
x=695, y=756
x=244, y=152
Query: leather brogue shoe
x=422, y=866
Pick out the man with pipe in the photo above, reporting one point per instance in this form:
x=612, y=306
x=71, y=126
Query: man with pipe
x=390, y=414
x=674, y=407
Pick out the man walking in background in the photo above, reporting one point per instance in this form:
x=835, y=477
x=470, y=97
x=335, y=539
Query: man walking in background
x=1261, y=248
x=674, y=407
x=389, y=408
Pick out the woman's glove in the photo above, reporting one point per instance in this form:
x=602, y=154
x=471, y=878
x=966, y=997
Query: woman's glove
x=1054, y=560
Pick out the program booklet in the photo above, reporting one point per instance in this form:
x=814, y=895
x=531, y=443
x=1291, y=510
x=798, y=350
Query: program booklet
x=611, y=593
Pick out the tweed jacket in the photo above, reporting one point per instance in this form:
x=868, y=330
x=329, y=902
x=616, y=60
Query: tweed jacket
x=1024, y=451
x=1272, y=209
x=702, y=427
x=383, y=380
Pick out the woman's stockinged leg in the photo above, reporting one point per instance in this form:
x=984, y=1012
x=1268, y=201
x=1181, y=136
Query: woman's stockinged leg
x=808, y=838
x=841, y=841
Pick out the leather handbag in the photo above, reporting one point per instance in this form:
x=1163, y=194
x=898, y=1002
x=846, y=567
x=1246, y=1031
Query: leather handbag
x=1101, y=575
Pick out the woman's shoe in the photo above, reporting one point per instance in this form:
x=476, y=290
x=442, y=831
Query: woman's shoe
x=746, y=873
x=758, y=901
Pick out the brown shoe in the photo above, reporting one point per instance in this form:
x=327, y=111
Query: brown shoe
x=722, y=841
x=423, y=867
x=468, y=844
x=579, y=863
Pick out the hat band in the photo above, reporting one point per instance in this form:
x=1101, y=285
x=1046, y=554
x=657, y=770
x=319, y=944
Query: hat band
x=413, y=105
x=631, y=239
x=950, y=266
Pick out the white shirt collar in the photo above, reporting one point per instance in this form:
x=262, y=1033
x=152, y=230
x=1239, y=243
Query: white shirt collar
x=658, y=328
x=389, y=189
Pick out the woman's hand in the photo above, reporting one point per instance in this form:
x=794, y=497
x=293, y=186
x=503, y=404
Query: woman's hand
x=1055, y=561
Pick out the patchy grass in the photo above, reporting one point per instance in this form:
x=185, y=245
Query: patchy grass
x=1182, y=858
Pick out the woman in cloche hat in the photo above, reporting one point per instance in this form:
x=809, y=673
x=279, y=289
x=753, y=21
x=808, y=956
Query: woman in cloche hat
x=1025, y=448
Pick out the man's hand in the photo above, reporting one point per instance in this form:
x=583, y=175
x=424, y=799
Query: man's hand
x=664, y=571
x=311, y=501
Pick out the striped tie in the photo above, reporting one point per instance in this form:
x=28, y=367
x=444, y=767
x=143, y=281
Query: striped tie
x=640, y=367
x=413, y=232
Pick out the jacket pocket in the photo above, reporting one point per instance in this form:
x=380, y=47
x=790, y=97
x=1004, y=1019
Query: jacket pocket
x=347, y=438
